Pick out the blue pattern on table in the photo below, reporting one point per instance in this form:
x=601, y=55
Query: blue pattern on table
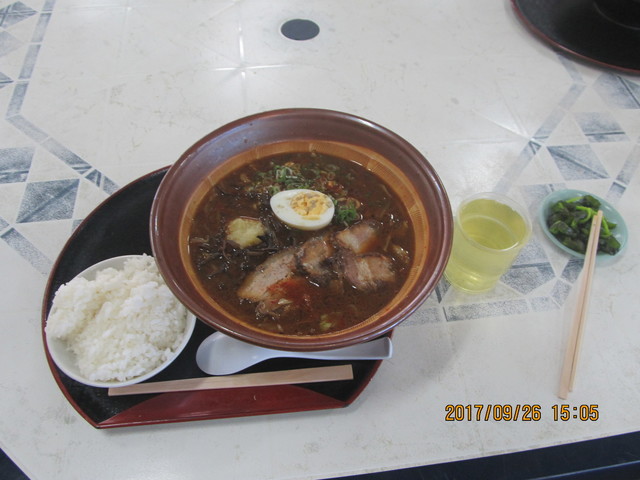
x=15, y=164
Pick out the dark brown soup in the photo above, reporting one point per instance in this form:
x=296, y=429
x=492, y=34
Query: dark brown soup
x=298, y=282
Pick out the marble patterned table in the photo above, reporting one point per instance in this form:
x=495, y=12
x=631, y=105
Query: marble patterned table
x=96, y=93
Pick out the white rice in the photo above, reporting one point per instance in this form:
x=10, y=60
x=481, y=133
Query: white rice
x=121, y=325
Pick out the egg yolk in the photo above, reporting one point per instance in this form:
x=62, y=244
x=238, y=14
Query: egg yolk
x=310, y=205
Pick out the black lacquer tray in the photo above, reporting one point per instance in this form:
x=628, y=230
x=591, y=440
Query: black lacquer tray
x=120, y=226
x=600, y=34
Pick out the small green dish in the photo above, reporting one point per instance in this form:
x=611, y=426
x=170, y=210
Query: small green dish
x=610, y=213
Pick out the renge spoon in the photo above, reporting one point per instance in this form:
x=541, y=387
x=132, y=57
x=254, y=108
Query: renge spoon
x=219, y=354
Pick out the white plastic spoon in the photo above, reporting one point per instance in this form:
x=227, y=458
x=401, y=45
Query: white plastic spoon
x=219, y=354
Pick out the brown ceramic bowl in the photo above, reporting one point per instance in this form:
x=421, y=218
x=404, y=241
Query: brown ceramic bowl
x=293, y=130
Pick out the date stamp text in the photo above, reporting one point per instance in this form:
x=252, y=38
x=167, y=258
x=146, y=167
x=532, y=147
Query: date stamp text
x=481, y=412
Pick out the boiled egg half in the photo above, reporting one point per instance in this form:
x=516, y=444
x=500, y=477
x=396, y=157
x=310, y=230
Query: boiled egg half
x=303, y=209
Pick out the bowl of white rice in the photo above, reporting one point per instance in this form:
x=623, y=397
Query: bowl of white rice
x=117, y=323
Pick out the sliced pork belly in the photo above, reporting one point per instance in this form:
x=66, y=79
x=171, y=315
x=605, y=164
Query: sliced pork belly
x=276, y=268
x=368, y=272
x=359, y=238
x=314, y=259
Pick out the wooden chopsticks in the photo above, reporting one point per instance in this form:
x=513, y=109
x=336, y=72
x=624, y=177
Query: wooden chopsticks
x=577, y=328
x=281, y=377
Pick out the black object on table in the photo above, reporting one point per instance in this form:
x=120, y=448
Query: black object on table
x=606, y=32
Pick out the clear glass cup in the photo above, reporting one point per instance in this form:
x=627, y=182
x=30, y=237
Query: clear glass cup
x=489, y=231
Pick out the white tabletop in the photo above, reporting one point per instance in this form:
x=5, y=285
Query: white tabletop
x=96, y=93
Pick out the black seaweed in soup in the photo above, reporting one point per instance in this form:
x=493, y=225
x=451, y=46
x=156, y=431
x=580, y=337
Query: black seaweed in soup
x=298, y=282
